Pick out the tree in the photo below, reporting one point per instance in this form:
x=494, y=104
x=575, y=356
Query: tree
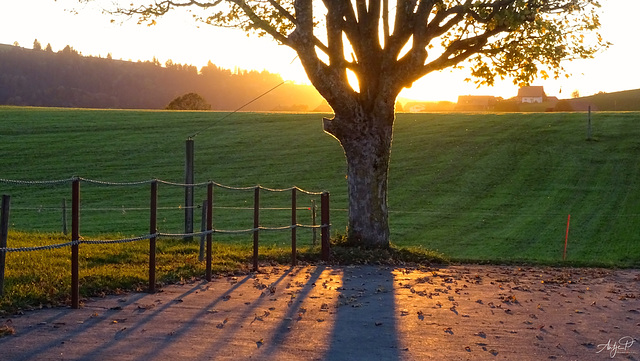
x=388, y=47
x=37, y=45
x=190, y=101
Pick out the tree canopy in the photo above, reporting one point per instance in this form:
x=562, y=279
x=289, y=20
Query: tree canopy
x=521, y=39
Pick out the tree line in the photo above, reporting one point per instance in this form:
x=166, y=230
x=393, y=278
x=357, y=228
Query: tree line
x=42, y=77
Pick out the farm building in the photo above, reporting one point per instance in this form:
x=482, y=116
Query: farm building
x=531, y=94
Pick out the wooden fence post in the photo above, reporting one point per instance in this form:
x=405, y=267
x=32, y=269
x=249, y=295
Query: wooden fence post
x=209, y=227
x=325, y=224
x=256, y=227
x=4, y=234
x=294, y=222
x=75, y=237
x=153, y=229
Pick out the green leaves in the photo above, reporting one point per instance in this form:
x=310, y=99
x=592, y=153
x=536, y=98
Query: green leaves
x=519, y=39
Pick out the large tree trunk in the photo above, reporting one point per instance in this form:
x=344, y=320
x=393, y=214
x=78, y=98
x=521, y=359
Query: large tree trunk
x=366, y=140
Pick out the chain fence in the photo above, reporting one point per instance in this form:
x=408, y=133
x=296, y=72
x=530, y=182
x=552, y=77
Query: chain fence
x=124, y=209
x=207, y=232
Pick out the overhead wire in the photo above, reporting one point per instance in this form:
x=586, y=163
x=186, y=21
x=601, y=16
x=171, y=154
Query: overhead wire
x=244, y=105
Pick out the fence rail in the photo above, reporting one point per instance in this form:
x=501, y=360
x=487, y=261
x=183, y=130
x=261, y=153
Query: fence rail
x=207, y=232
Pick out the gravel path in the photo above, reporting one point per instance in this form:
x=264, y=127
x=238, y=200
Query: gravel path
x=350, y=313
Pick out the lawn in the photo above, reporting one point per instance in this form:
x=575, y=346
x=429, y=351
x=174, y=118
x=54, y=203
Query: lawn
x=474, y=187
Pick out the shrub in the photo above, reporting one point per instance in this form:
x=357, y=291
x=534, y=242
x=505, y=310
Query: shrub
x=190, y=101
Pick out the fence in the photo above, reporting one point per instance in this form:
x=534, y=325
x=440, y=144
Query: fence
x=154, y=235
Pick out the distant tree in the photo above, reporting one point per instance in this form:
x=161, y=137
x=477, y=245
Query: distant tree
x=48, y=49
x=190, y=101
x=575, y=94
x=68, y=50
x=15, y=43
x=109, y=56
x=37, y=45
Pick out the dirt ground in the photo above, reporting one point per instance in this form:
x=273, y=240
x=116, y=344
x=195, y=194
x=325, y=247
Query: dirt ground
x=461, y=312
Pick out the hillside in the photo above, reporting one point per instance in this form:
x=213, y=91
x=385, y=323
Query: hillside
x=628, y=100
x=68, y=79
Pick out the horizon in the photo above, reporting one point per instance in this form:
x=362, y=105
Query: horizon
x=178, y=38
x=401, y=99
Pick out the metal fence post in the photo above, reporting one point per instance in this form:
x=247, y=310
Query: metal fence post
x=325, y=224
x=314, y=208
x=203, y=227
x=188, y=190
x=64, y=216
x=589, y=124
x=75, y=237
x=153, y=229
x=4, y=234
x=294, y=222
x=256, y=226
x=209, y=228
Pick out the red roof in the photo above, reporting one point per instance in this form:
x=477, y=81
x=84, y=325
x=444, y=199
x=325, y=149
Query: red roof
x=531, y=91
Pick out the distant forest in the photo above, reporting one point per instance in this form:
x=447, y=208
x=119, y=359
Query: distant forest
x=41, y=77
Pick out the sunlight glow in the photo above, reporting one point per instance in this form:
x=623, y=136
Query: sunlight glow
x=353, y=81
x=177, y=37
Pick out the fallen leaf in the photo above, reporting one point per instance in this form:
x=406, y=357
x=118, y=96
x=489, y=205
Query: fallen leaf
x=6, y=330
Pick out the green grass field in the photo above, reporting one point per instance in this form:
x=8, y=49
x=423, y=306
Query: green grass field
x=475, y=187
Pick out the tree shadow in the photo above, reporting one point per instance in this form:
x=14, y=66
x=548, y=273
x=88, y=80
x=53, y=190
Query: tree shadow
x=365, y=325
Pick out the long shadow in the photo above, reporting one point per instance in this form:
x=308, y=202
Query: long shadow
x=36, y=351
x=194, y=320
x=281, y=332
x=97, y=353
x=282, y=329
x=365, y=324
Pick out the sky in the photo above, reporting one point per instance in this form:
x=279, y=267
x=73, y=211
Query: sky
x=180, y=39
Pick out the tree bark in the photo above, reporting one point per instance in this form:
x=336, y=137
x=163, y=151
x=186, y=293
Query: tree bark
x=366, y=139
